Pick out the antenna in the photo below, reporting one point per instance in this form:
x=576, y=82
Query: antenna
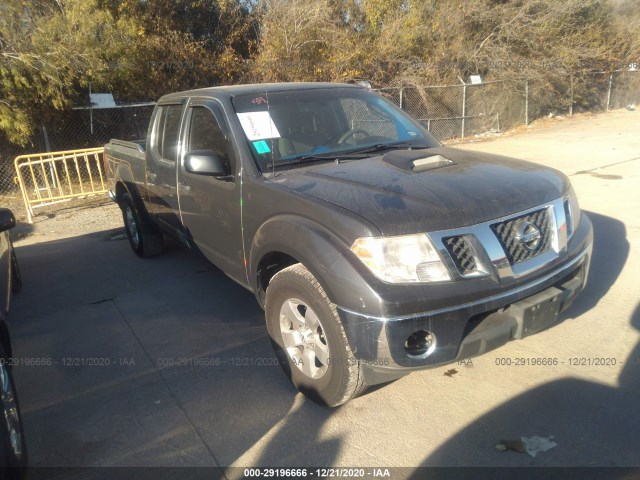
x=273, y=163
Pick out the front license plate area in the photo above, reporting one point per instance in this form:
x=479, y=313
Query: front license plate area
x=537, y=312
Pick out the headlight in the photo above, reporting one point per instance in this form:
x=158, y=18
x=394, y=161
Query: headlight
x=402, y=259
x=571, y=212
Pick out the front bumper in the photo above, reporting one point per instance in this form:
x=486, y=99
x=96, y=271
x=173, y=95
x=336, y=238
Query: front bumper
x=473, y=327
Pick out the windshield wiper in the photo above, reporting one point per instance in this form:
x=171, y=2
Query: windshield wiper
x=348, y=155
x=314, y=158
x=301, y=159
x=379, y=147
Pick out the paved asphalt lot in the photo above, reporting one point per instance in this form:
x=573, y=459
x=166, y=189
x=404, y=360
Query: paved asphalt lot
x=109, y=323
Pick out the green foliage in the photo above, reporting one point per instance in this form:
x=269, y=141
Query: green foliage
x=51, y=50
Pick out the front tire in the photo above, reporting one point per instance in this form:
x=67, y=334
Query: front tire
x=144, y=238
x=13, y=448
x=309, y=340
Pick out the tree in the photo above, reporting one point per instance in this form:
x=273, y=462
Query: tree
x=184, y=44
x=49, y=50
x=298, y=40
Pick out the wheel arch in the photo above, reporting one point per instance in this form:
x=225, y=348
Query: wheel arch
x=287, y=239
x=123, y=187
x=120, y=190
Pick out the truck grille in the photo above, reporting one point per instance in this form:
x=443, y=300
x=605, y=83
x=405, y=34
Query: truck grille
x=517, y=250
x=461, y=253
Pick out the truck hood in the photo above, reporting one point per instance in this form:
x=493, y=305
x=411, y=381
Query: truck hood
x=411, y=191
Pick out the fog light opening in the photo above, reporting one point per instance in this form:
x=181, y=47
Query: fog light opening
x=420, y=344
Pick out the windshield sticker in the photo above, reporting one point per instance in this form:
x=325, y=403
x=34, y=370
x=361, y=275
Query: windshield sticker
x=261, y=147
x=258, y=125
x=259, y=101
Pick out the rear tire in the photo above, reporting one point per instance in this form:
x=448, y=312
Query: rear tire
x=145, y=239
x=309, y=340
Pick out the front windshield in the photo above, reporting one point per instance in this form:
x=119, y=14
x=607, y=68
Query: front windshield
x=289, y=126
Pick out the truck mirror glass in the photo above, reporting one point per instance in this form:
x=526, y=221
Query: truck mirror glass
x=204, y=162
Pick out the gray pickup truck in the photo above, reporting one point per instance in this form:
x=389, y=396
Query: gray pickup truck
x=374, y=250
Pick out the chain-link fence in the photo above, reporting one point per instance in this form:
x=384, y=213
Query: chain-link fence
x=72, y=130
x=448, y=112
x=588, y=92
x=456, y=111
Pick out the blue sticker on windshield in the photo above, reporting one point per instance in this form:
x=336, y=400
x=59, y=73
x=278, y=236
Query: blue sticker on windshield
x=261, y=147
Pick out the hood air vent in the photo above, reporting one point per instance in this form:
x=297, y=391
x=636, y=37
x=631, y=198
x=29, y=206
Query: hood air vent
x=416, y=161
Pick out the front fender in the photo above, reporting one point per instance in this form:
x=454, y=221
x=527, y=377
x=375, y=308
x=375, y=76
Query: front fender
x=320, y=251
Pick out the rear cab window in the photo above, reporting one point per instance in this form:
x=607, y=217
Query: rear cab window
x=166, y=132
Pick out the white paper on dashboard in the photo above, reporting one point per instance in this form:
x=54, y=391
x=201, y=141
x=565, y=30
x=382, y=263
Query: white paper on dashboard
x=258, y=125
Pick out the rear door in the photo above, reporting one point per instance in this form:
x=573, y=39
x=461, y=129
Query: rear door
x=162, y=158
x=211, y=207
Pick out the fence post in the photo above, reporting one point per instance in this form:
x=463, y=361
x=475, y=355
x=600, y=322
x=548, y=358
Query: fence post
x=45, y=134
x=47, y=145
x=609, y=92
x=571, y=105
x=464, y=106
x=401, y=102
x=526, y=102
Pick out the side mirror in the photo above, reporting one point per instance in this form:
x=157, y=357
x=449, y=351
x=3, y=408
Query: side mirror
x=204, y=162
x=7, y=220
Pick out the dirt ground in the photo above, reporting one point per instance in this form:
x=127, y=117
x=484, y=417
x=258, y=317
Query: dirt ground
x=69, y=219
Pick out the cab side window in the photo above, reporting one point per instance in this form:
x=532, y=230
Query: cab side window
x=205, y=134
x=167, y=132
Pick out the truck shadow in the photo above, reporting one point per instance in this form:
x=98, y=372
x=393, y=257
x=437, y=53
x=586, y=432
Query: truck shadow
x=161, y=362
x=592, y=423
x=610, y=253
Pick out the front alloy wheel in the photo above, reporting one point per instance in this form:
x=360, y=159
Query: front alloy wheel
x=309, y=340
x=304, y=338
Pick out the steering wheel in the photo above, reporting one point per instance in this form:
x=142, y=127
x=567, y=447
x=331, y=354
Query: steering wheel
x=350, y=133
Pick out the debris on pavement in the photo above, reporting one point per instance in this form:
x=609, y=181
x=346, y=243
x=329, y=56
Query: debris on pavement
x=531, y=446
x=451, y=372
x=513, y=445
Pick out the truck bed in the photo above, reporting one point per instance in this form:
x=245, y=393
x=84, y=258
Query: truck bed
x=128, y=157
